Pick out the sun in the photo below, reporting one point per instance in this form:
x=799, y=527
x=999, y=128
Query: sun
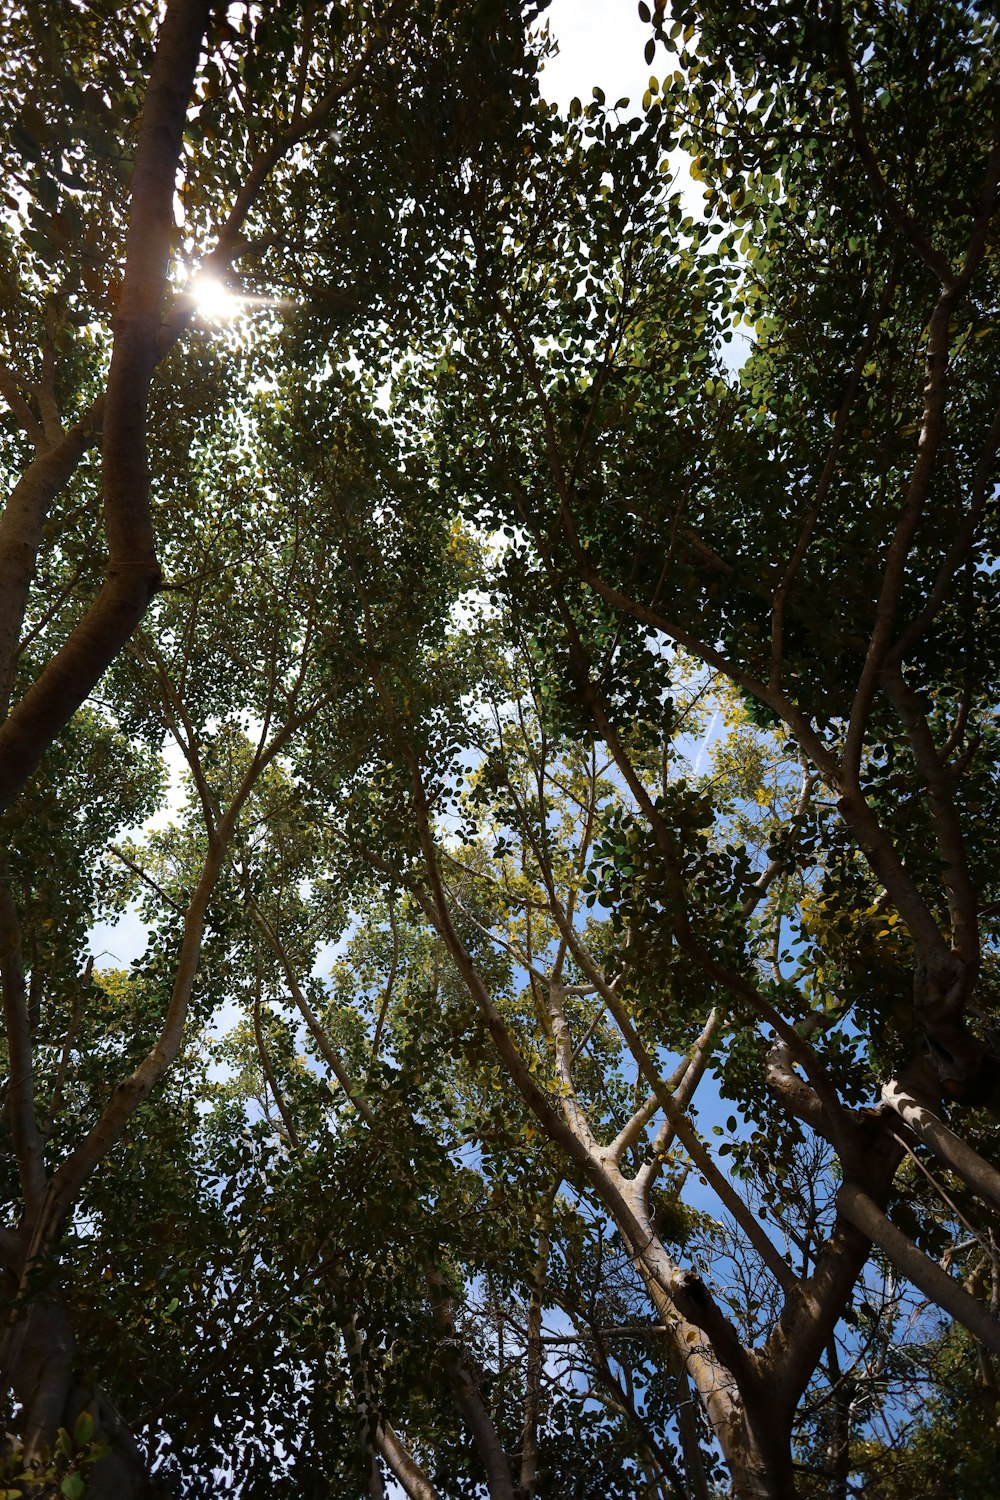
x=214, y=300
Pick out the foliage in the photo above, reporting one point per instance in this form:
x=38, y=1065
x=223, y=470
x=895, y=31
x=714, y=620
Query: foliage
x=531, y=672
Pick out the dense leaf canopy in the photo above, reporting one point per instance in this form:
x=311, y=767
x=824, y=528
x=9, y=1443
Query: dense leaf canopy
x=504, y=599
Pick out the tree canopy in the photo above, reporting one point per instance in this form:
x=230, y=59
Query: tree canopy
x=524, y=647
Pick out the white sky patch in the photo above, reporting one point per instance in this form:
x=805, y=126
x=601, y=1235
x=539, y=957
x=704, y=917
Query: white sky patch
x=116, y=945
x=600, y=42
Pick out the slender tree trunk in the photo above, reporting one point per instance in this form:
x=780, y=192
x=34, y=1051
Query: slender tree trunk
x=687, y=1428
x=838, y=1449
x=533, y=1374
x=39, y=1369
x=376, y=1430
x=465, y=1383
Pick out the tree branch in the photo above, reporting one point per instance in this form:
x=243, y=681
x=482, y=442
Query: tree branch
x=855, y=1204
x=133, y=574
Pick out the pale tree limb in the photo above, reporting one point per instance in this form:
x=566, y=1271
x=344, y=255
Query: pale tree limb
x=688, y=1295
x=678, y=1120
x=633, y=1129
x=376, y=1430
x=402, y=1463
x=683, y=1094
x=925, y=1274
x=951, y=1149
x=576, y=1116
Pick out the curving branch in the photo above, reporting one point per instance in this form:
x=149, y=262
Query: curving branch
x=466, y=1381
x=11, y=391
x=318, y=1032
x=21, y=527
x=794, y=1093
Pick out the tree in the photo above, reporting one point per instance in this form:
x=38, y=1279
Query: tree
x=435, y=670
x=98, y=183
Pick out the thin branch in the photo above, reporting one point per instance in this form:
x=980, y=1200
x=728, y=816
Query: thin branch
x=10, y=390
x=318, y=1032
x=265, y=1062
x=146, y=878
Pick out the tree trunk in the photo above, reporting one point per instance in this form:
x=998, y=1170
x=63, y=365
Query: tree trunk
x=465, y=1383
x=757, y=1455
x=38, y=1366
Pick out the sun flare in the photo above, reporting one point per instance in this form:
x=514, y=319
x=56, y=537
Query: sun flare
x=214, y=300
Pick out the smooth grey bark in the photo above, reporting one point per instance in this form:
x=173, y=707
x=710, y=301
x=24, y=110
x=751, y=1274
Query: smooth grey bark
x=935, y=1134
